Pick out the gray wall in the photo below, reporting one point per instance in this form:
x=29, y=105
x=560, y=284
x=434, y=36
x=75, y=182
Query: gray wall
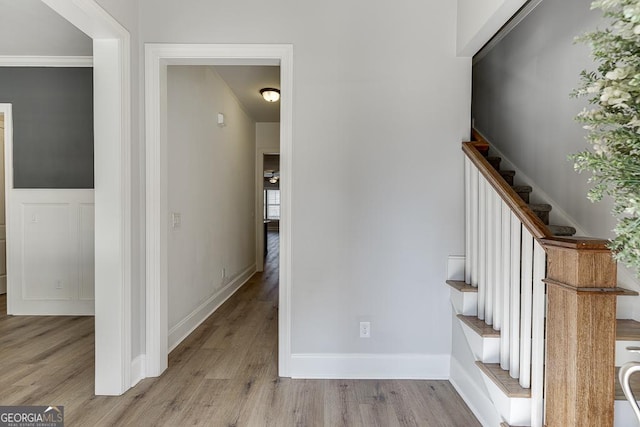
x=29, y=27
x=52, y=125
x=522, y=104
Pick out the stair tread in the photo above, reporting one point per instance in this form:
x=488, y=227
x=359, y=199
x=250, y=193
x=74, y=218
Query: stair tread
x=627, y=330
x=461, y=286
x=509, y=386
x=561, y=230
x=507, y=172
x=634, y=382
x=540, y=207
x=479, y=326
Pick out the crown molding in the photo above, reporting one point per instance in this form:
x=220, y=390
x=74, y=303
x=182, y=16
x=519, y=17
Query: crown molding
x=46, y=61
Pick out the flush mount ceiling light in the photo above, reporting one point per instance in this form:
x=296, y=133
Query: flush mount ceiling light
x=270, y=94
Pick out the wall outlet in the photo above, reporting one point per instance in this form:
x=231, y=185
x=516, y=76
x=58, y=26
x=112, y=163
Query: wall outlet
x=58, y=284
x=224, y=273
x=365, y=329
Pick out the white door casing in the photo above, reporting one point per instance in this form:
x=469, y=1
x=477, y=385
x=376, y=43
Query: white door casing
x=112, y=177
x=157, y=57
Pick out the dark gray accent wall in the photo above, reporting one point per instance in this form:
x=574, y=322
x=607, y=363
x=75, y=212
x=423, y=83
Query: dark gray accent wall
x=522, y=104
x=52, y=125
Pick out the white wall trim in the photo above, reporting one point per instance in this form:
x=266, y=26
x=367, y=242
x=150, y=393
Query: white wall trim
x=157, y=57
x=112, y=148
x=194, y=319
x=6, y=109
x=138, y=369
x=370, y=366
x=53, y=224
x=506, y=29
x=45, y=61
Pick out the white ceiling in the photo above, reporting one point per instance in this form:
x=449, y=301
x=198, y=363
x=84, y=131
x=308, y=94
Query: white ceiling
x=245, y=81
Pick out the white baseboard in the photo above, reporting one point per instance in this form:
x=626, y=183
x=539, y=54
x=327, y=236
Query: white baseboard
x=200, y=314
x=370, y=366
x=138, y=369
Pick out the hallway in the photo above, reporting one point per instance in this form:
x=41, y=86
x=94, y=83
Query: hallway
x=223, y=374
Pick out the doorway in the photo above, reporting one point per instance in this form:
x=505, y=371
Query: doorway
x=157, y=58
x=113, y=201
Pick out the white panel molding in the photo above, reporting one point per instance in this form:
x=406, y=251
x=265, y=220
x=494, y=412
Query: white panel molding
x=45, y=258
x=194, y=319
x=157, y=57
x=370, y=366
x=45, y=61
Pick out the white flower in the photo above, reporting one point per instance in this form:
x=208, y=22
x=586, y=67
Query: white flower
x=618, y=73
x=632, y=208
x=604, y=4
x=596, y=87
x=612, y=96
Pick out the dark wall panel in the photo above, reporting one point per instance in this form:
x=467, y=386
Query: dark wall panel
x=52, y=125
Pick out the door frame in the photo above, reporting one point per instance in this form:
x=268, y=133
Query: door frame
x=6, y=109
x=112, y=184
x=157, y=58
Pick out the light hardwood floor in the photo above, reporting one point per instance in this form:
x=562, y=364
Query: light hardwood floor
x=224, y=374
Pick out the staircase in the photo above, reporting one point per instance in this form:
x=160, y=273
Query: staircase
x=541, y=210
x=500, y=322
x=484, y=343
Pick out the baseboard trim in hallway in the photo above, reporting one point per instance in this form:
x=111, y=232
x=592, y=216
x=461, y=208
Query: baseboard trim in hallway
x=370, y=366
x=189, y=324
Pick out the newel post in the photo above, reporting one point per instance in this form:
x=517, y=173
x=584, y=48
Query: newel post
x=581, y=329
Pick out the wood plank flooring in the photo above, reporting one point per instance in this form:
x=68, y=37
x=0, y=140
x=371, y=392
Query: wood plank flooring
x=224, y=374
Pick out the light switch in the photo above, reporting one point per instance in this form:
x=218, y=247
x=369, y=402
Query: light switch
x=176, y=219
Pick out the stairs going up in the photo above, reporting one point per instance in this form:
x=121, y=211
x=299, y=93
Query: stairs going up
x=506, y=391
x=524, y=191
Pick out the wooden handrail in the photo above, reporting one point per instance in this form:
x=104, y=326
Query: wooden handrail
x=580, y=326
x=518, y=206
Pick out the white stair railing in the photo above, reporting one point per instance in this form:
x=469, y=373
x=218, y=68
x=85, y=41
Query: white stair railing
x=507, y=264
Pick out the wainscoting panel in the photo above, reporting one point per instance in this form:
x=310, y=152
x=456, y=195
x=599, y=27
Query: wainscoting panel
x=50, y=252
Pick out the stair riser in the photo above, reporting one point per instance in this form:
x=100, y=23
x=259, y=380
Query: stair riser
x=485, y=349
x=464, y=302
x=544, y=216
x=508, y=178
x=516, y=411
x=524, y=196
